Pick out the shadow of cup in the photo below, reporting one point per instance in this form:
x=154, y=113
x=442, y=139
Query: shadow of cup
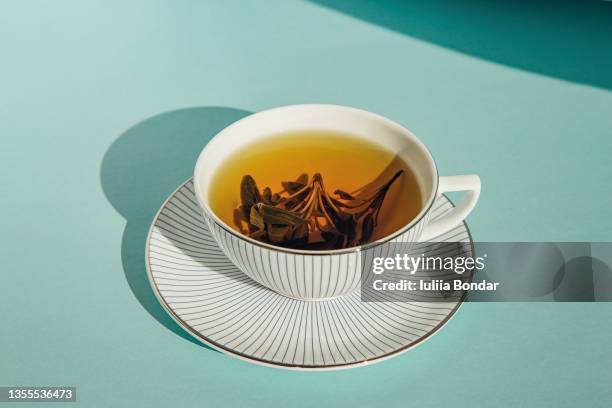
x=142, y=167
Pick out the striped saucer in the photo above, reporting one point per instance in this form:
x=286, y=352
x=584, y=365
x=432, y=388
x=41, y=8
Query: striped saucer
x=223, y=308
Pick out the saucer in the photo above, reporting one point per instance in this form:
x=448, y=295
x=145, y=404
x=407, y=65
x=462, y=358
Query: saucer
x=221, y=307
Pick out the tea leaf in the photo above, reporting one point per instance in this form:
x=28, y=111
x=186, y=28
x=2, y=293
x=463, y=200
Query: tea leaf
x=348, y=204
x=292, y=186
x=277, y=233
x=260, y=234
x=334, y=238
x=379, y=197
x=367, y=228
x=348, y=227
x=330, y=215
x=249, y=193
x=308, y=217
x=301, y=243
x=300, y=232
x=256, y=217
x=302, y=179
x=267, y=195
x=298, y=198
x=240, y=220
x=344, y=195
x=275, y=215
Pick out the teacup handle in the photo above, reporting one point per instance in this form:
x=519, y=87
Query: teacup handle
x=470, y=183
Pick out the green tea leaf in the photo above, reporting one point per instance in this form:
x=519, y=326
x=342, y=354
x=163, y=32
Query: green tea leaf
x=249, y=193
x=302, y=179
x=256, y=218
x=367, y=228
x=344, y=195
x=275, y=215
x=305, y=216
x=278, y=233
x=292, y=186
x=267, y=195
x=259, y=234
x=298, y=199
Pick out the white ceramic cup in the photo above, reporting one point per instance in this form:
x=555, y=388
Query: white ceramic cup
x=318, y=275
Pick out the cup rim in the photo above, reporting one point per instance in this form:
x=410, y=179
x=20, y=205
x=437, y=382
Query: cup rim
x=373, y=116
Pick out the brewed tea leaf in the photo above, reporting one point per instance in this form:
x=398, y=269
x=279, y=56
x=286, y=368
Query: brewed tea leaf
x=367, y=228
x=297, y=198
x=344, y=195
x=275, y=215
x=300, y=232
x=298, y=243
x=292, y=186
x=302, y=179
x=240, y=220
x=377, y=201
x=256, y=218
x=277, y=233
x=260, y=234
x=249, y=193
x=267, y=195
x=334, y=238
x=308, y=217
x=348, y=227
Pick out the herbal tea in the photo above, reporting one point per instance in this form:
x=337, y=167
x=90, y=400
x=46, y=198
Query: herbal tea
x=315, y=190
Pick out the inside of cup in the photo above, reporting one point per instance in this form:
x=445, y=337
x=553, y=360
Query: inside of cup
x=298, y=118
x=358, y=123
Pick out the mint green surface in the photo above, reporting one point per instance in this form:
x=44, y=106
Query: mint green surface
x=105, y=105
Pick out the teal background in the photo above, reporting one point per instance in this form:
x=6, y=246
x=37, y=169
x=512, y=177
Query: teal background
x=105, y=105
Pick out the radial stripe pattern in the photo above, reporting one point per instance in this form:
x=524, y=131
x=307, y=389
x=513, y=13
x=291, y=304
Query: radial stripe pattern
x=218, y=304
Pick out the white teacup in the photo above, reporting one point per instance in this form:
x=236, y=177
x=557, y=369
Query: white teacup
x=317, y=275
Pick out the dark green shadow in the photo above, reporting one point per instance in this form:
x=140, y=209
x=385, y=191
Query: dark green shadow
x=141, y=169
x=570, y=40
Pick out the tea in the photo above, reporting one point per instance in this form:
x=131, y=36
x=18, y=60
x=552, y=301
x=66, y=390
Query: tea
x=315, y=190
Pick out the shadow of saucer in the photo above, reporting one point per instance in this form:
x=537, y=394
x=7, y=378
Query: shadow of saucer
x=141, y=169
